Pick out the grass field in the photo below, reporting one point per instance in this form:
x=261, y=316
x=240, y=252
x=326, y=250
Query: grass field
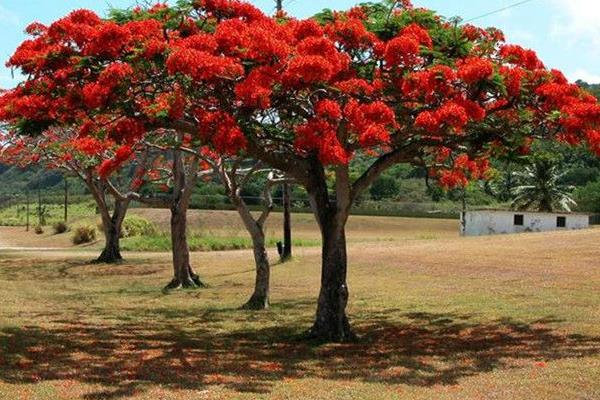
x=440, y=317
x=224, y=230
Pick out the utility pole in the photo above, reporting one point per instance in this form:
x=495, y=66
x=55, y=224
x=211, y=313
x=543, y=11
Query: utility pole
x=66, y=199
x=39, y=205
x=286, y=254
x=464, y=210
x=287, y=223
x=27, y=210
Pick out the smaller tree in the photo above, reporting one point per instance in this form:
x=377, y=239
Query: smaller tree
x=176, y=173
x=236, y=173
x=64, y=149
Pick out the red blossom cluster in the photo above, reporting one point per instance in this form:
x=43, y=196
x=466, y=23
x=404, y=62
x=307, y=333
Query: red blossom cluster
x=404, y=49
x=109, y=166
x=221, y=129
x=463, y=170
x=521, y=57
x=350, y=33
x=202, y=66
x=455, y=114
x=256, y=89
x=475, y=69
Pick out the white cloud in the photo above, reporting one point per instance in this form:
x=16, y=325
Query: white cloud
x=9, y=17
x=578, y=20
x=585, y=75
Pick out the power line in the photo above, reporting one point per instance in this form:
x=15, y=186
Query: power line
x=520, y=3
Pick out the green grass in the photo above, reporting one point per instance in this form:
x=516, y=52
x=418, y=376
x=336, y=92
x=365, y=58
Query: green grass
x=16, y=214
x=197, y=242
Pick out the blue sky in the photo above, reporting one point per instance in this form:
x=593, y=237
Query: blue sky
x=565, y=33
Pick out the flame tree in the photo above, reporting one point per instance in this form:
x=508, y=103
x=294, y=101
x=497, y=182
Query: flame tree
x=396, y=84
x=62, y=149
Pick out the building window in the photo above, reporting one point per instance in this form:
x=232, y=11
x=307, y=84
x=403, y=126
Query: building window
x=561, y=222
x=519, y=219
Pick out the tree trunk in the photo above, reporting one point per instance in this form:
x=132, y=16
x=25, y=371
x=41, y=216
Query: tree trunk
x=183, y=274
x=112, y=225
x=331, y=323
x=260, y=297
x=112, y=251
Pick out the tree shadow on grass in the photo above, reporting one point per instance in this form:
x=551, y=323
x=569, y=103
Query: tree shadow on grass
x=419, y=349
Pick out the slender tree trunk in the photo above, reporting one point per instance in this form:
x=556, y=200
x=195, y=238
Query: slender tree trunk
x=260, y=298
x=112, y=233
x=183, y=274
x=111, y=224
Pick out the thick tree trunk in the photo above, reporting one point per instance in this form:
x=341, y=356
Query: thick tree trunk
x=331, y=323
x=183, y=274
x=260, y=298
x=112, y=233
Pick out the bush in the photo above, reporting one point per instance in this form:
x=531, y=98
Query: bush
x=385, y=187
x=588, y=197
x=137, y=226
x=60, y=227
x=84, y=234
x=39, y=230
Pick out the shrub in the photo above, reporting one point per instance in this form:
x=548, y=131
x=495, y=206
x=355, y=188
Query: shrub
x=588, y=197
x=39, y=230
x=84, y=234
x=137, y=226
x=60, y=227
x=385, y=187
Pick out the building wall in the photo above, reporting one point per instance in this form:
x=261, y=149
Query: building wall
x=479, y=223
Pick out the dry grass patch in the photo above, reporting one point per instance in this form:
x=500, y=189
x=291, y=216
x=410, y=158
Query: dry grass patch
x=512, y=317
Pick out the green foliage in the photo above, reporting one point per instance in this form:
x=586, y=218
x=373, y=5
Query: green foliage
x=385, y=187
x=16, y=213
x=588, y=197
x=162, y=243
x=84, y=234
x=539, y=187
x=137, y=226
x=593, y=88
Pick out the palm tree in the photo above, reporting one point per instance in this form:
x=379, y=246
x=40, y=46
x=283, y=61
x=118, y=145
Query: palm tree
x=539, y=187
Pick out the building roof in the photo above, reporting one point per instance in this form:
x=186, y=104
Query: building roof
x=492, y=210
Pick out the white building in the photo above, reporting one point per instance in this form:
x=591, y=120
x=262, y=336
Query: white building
x=493, y=222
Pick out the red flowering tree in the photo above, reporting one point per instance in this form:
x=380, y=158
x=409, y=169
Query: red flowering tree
x=113, y=81
x=171, y=175
x=394, y=83
x=81, y=157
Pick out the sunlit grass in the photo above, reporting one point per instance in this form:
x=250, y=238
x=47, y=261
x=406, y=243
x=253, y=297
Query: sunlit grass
x=505, y=317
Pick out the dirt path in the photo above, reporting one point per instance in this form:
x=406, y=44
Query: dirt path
x=17, y=238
